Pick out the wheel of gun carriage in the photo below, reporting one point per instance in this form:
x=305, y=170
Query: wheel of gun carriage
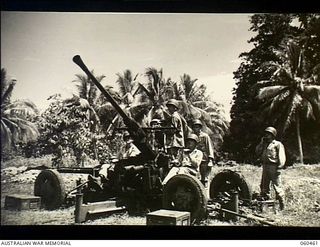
x=227, y=181
x=50, y=187
x=185, y=193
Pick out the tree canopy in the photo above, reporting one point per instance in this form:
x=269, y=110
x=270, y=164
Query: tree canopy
x=273, y=32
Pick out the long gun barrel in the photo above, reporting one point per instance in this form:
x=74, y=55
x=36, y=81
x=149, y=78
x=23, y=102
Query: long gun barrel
x=137, y=133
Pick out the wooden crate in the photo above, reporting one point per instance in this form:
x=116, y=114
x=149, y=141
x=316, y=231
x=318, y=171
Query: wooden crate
x=22, y=202
x=168, y=217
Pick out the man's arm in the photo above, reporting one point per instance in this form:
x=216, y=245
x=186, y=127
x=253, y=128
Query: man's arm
x=209, y=148
x=259, y=147
x=196, y=158
x=282, y=156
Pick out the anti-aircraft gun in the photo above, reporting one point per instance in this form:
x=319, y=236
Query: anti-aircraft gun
x=134, y=183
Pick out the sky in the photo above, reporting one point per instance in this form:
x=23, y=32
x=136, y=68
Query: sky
x=37, y=49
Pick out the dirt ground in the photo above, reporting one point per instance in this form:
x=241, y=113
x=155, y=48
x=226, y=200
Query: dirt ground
x=301, y=184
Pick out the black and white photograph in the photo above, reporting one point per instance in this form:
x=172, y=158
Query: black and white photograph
x=171, y=119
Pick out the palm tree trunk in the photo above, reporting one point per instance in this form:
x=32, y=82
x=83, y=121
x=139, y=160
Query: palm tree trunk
x=299, y=138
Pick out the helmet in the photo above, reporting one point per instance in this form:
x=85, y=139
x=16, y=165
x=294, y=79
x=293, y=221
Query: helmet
x=126, y=134
x=155, y=121
x=173, y=102
x=271, y=130
x=193, y=137
x=197, y=122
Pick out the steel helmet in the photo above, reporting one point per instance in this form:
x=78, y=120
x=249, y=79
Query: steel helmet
x=197, y=122
x=126, y=134
x=271, y=130
x=155, y=121
x=193, y=137
x=173, y=102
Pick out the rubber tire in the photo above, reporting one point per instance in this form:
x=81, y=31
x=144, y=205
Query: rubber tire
x=237, y=181
x=199, y=209
x=51, y=197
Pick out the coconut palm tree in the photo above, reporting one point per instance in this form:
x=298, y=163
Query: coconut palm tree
x=289, y=95
x=87, y=98
x=127, y=83
x=89, y=101
x=15, y=116
x=196, y=105
x=158, y=90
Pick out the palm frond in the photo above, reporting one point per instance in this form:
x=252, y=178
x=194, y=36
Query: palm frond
x=176, y=91
x=293, y=107
x=6, y=95
x=3, y=80
x=311, y=93
x=154, y=79
x=307, y=109
x=276, y=102
x=294, y=56
x=28, y=132
x=146, y=91
x=20, y=129
x=10, y=123
x=188, y=86
x=140, y=111
x=125, y=82
x=29, y=107
x=270, y=92
x=6, y=135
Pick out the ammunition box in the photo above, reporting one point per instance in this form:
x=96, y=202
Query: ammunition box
x=168, y=217
x=22, y=202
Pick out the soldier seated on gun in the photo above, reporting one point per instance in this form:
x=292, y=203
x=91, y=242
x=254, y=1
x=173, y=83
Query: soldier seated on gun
x=126, y=151
x=191, y=161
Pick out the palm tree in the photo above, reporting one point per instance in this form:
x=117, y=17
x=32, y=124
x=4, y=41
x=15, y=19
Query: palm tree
x=197, y=105
x=290, y=95
x=158, y=91
x=87, y=100
x=127, y=84
x=15, y=116
x=190, y=93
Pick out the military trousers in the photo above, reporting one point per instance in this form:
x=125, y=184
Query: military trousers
x=271, y=174
x=204, y=170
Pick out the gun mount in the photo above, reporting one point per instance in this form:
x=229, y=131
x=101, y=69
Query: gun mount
x=134, y=183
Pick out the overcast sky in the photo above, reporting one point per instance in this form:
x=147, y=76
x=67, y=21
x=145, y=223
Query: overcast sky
x=37, y=49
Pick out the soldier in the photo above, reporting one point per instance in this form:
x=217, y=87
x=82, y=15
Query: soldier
x=205, y=145
x=128, y=149
x=273, y=158
x=191, y=160
x=156, y=136
x=176, y=141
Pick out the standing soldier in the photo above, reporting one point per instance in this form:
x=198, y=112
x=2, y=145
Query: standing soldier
x=273, y=158
x=205, y=145
x=156, y=137
x=176, y=140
